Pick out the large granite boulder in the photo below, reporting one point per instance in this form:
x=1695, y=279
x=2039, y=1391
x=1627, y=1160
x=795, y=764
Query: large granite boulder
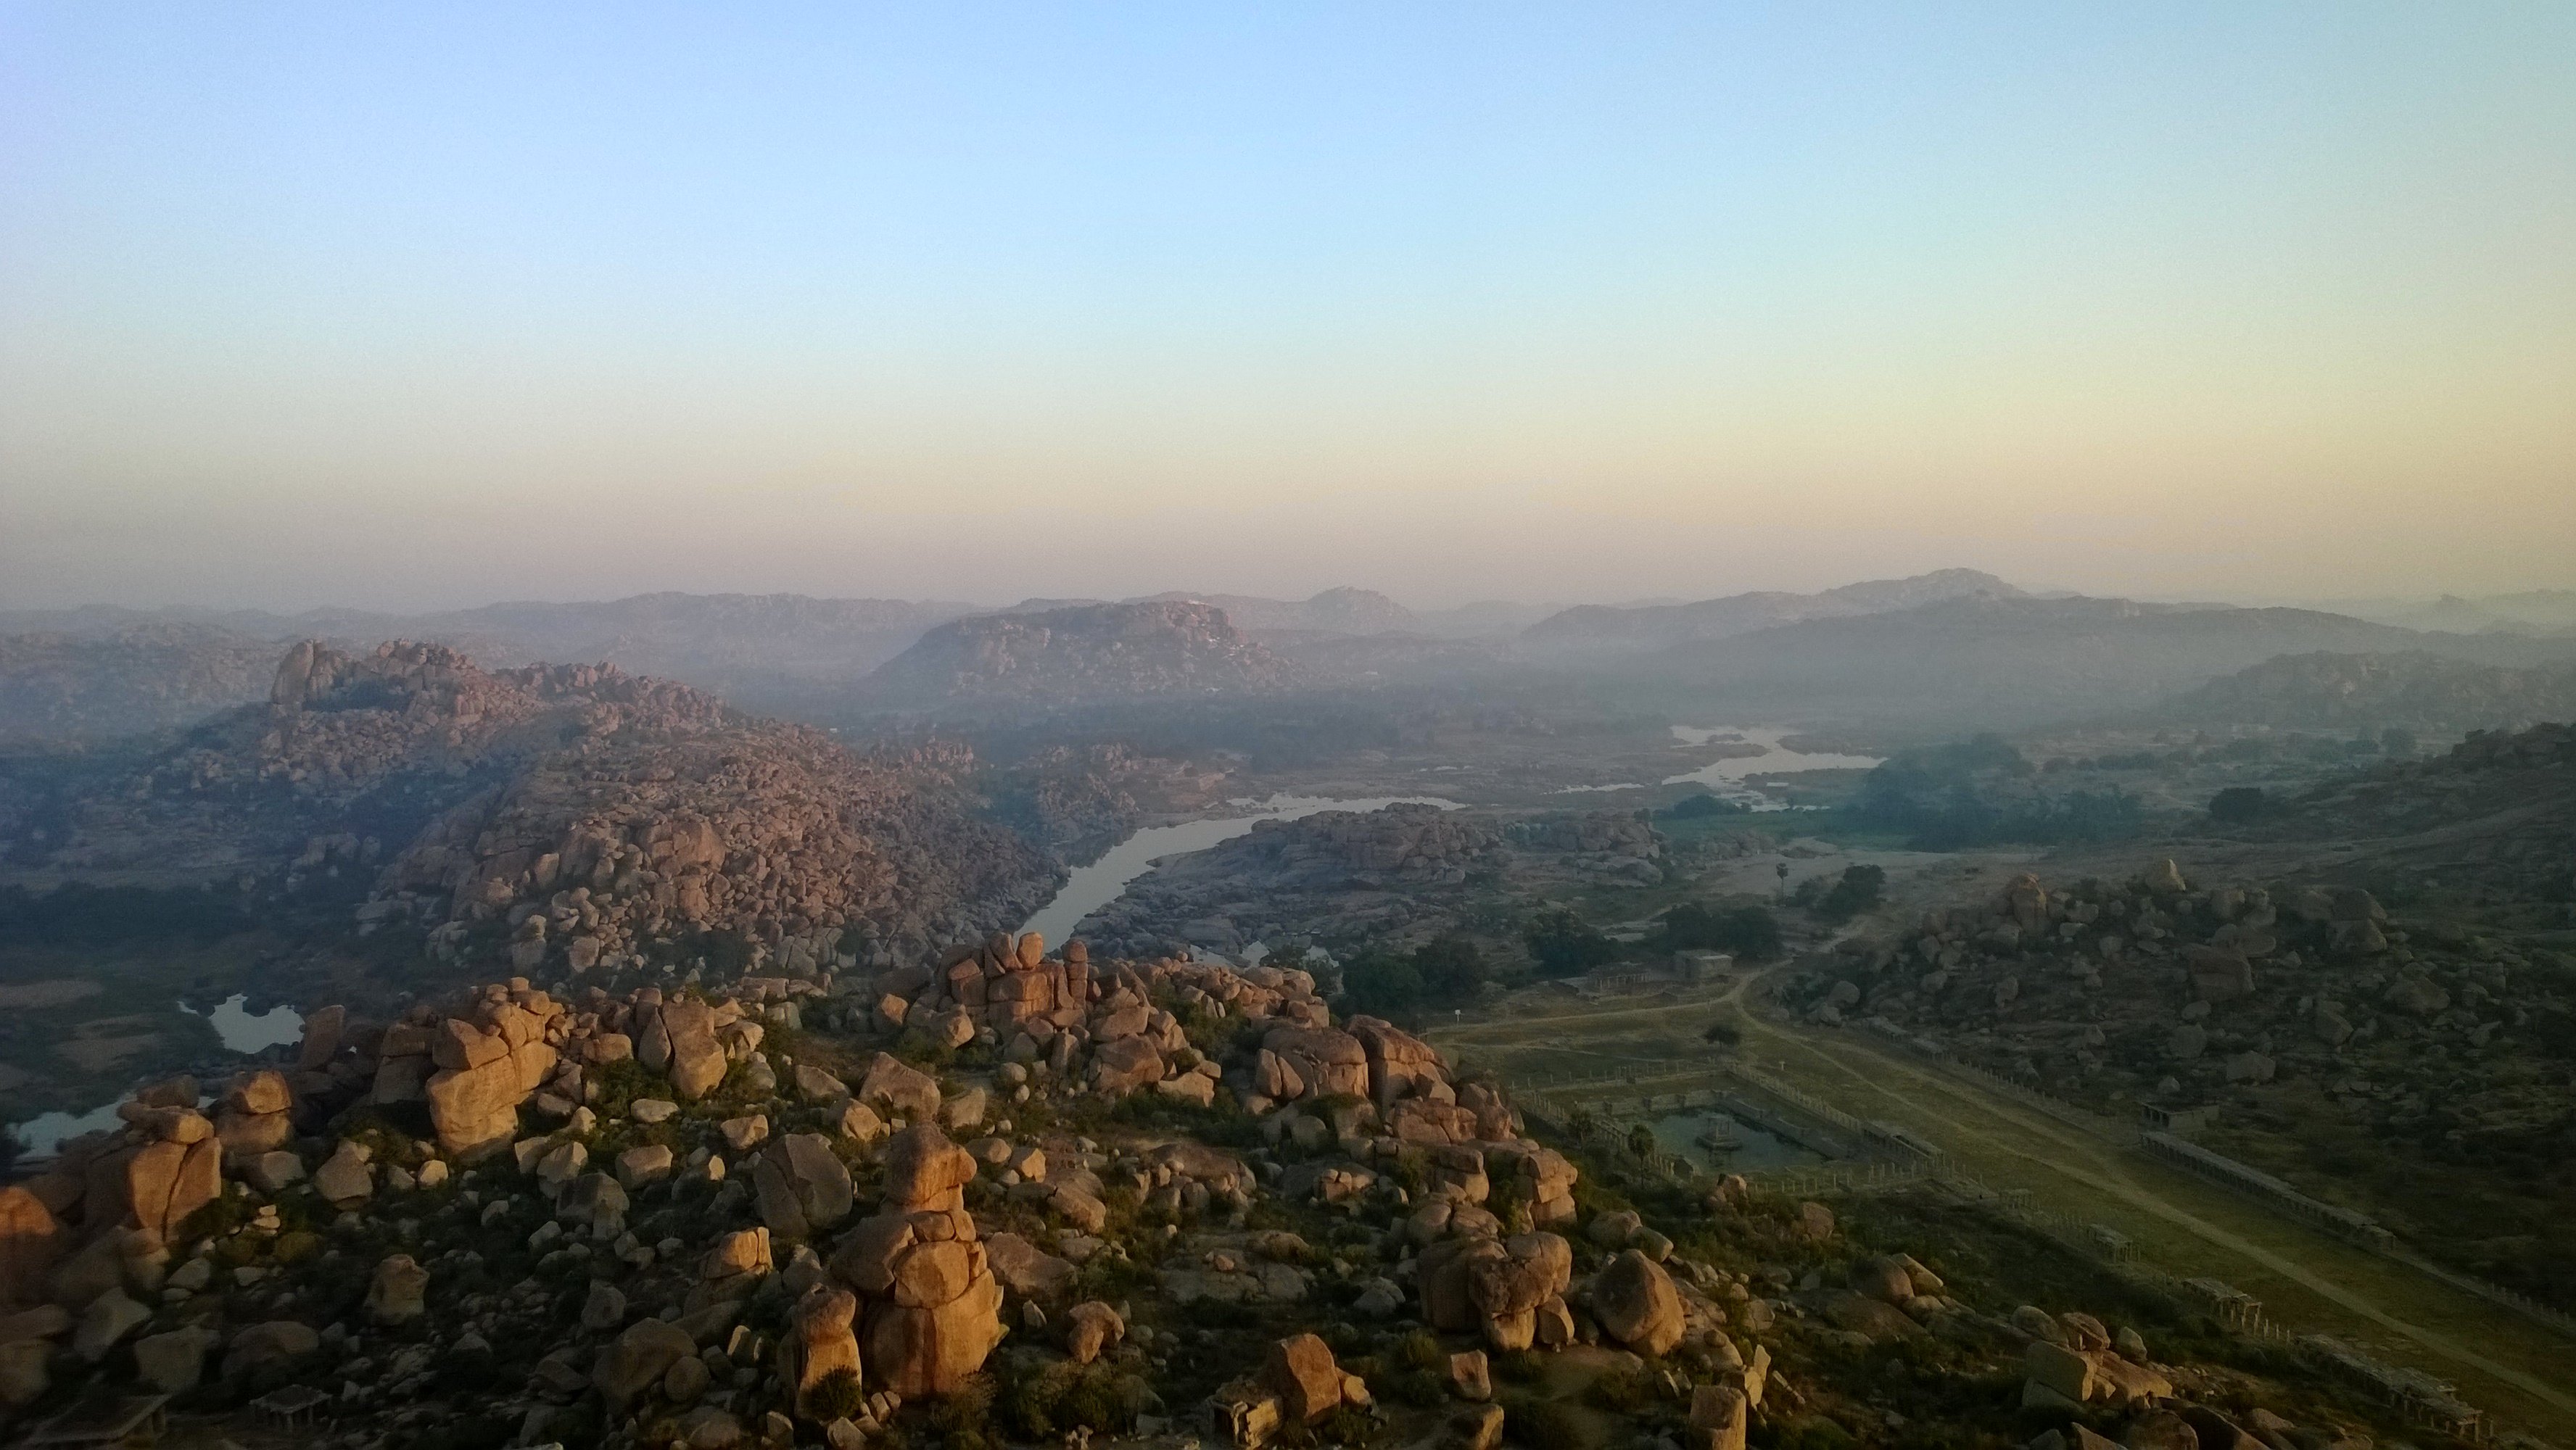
x=638, y=1358
x=1328, y=1061
x=1636, y=1303
x=802, y=1186
x=30, y=1243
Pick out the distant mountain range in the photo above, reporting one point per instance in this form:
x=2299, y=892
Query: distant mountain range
x=2531, y=611
x=2006, y=659
x=1957, y=640
x=1612, y=629
x=2415, y=688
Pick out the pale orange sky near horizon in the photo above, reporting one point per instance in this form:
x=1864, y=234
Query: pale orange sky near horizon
x=426, y=309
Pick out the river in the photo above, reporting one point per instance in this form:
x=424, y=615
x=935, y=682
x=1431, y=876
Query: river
x=1726, y=777
x=1100, y=883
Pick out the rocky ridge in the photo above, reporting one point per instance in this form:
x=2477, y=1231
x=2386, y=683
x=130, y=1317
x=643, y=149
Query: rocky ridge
x=2415, y=689
x=1613, y=628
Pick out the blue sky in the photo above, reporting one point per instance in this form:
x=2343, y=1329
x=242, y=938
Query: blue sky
x=426, y=305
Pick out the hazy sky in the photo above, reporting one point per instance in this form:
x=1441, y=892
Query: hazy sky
x=415, y=305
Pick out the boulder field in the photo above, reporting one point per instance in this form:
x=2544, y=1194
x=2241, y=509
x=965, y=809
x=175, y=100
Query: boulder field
x=1010, y=1193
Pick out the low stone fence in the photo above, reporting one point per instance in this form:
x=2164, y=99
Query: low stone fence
x=2192, y=1158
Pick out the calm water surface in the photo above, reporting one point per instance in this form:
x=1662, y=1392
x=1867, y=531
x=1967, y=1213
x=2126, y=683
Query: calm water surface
x=1726, y=777
x=1679, y=1133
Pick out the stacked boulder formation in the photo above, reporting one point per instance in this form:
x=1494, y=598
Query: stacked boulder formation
x=933, y=1305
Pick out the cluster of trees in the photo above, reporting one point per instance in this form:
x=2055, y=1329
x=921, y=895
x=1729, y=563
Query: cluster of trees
x=2241, y=803
x=1443, y=972
x=1857, y=890
x=1565, y=944
x=1978, y=792
x=1703, y=806
x=2290, y=745
x=80, y=914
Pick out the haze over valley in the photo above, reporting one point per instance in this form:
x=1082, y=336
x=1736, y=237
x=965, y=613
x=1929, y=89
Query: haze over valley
x=1422, y=728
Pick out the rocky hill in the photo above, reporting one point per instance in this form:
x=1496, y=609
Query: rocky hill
x=2413, y=688
x=2018, y=659
x=132, y=680
x=1083, y=654
x=1335, y=611
x=583, y=813
x=2378, y=1004
x=1610, y=629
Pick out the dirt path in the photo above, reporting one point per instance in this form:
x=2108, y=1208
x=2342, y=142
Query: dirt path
x=2502, y=1364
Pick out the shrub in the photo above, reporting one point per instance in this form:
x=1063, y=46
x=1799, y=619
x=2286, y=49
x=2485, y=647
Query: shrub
x=1345, y=1424
x=1543, y=1424
x=838, y=1396
x=921, y=1050
x=1420, y=1350
x=1624, y=1391
x=964, y=1418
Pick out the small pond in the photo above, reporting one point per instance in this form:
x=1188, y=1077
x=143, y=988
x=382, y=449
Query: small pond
x=243, y=1032
x=1761, y=1151
x=240, y=1029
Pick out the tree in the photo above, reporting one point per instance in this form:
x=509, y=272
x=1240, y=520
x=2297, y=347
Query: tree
x=1641, y=1141
x=2240, y=803
x=1381, y=984
x=1750, y=932
x=1450, y=967
x=1565, y=944
x=1703, y=804
x=1857, y=891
